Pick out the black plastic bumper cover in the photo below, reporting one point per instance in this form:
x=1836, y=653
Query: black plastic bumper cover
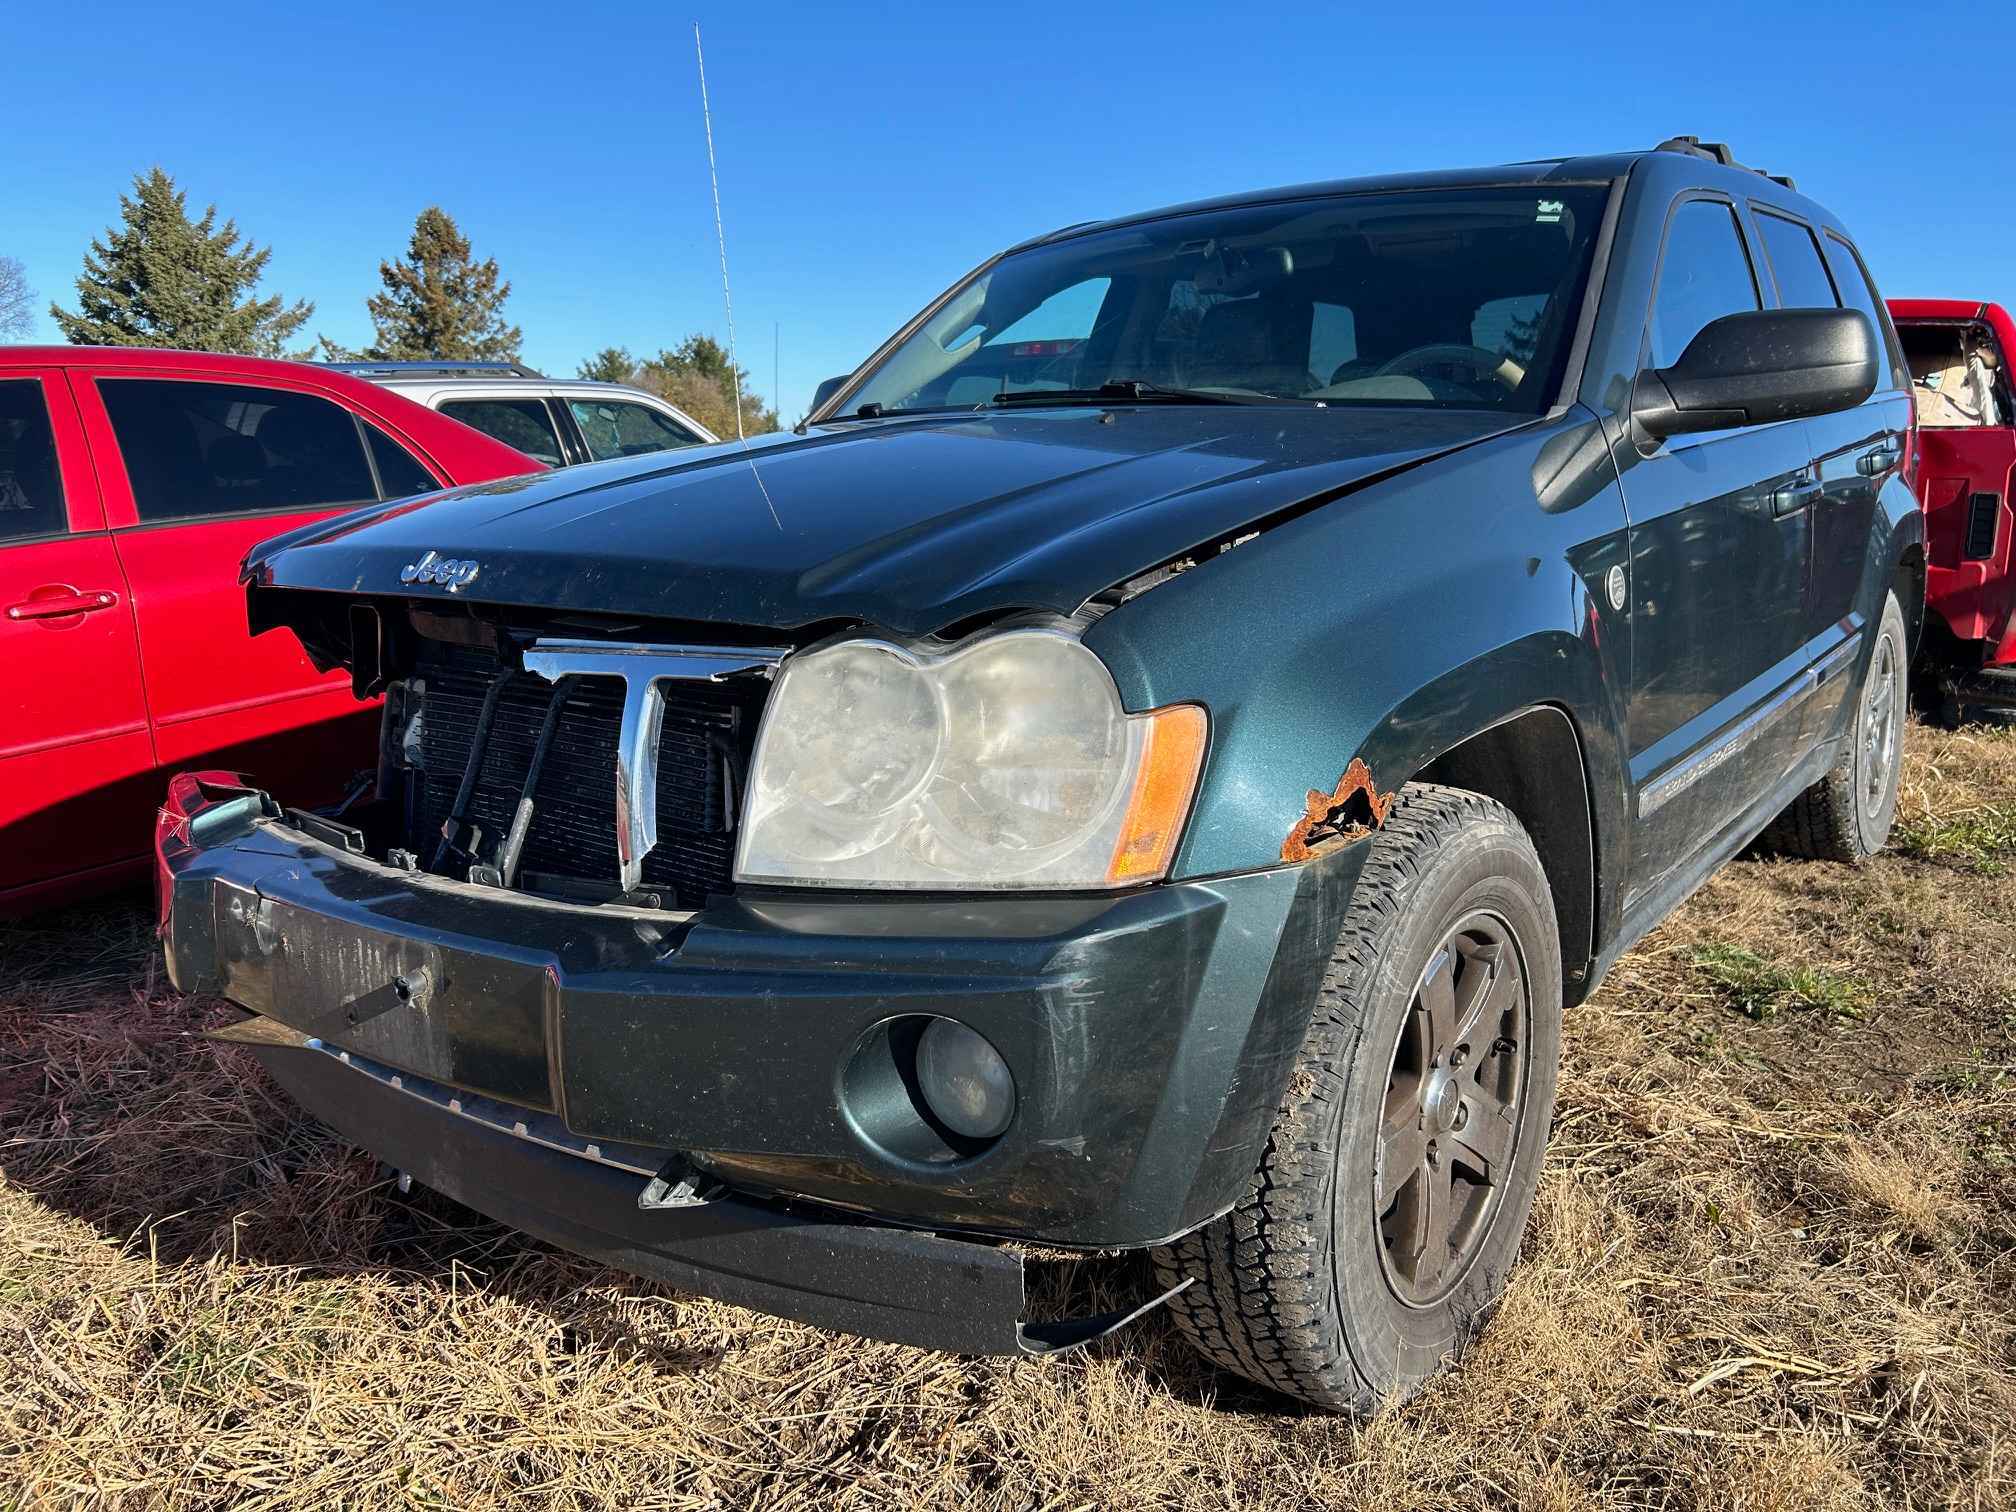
x=857, y=1277
x=1149, y=1035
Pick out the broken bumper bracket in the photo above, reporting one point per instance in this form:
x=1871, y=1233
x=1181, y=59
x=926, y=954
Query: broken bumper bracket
x=526, y=1170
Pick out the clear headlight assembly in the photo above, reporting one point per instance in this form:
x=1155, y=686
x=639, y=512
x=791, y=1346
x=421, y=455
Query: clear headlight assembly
x=1006, y=761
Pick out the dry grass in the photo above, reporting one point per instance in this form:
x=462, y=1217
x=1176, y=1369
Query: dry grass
x=1773, y=1265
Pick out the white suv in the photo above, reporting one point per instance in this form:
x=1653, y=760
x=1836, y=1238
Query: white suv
x=559, y=421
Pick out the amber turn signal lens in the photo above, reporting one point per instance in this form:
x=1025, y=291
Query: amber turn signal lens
x=1164, y=783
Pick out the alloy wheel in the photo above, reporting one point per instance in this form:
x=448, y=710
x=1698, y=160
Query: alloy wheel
x=1879, y=726
x=1455, y=1100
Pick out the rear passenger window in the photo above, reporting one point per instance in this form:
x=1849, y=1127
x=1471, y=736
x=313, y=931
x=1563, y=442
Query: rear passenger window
x=399, y=472
x=1704, y=274
x=194, y=449
x=1858, y=292
x=523, y=423
x=1803, y=283
x=31, y=492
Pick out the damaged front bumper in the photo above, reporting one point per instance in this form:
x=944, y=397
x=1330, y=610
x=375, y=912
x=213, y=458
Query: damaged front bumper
x=559, y=1066
x=824, y=1269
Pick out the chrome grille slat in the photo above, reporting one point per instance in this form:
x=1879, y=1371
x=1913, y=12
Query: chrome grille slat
x=707, y=731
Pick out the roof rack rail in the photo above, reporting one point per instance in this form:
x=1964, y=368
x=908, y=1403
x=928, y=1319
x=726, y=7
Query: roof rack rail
x=1718, y=152
x=435, y=369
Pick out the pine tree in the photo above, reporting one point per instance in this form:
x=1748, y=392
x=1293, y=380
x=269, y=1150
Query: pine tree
x=610, y=365
x=160, y=279
x=439, y=304
x=1522, y=337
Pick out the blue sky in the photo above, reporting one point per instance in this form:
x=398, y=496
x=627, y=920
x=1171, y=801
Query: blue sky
x=871, y=154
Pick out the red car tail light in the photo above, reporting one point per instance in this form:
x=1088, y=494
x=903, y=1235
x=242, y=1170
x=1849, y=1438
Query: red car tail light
x=193, y=796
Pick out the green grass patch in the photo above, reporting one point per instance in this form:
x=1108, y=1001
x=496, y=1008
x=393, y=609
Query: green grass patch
x=1762, y=989
x=1973, y=1076
x=1982, y=840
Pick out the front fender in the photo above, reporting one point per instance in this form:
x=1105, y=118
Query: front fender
x=1389, y=626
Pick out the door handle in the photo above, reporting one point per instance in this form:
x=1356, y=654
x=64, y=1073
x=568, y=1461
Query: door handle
x=1793, y=497
x=1873, y=464
x=60, y=605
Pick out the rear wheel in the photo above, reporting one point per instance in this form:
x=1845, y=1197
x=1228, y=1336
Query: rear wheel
x=1846, y=815
x=1388, y=1206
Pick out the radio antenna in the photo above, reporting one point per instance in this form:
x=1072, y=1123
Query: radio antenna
x=720, y=236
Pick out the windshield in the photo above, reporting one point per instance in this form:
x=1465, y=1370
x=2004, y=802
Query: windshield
x=1458, y=298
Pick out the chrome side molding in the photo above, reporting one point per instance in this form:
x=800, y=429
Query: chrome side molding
x=1690, y=770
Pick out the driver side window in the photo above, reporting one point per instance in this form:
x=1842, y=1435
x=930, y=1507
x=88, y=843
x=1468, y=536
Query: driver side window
x=1704, y=274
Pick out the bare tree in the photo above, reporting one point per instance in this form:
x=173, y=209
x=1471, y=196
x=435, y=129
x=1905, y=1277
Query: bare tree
x=17, y=300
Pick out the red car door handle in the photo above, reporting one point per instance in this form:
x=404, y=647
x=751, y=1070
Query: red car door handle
x=58, y=605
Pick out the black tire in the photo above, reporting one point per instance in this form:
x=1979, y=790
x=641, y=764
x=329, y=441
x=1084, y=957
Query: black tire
x=1307, y=1285
x=1846, y=815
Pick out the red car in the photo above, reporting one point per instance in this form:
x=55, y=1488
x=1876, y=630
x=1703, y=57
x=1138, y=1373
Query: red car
x=1958, y=350
x=132, y=481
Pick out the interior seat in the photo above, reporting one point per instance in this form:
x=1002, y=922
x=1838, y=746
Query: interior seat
x=1242, y=344
x=37, y=485
x=236, y=461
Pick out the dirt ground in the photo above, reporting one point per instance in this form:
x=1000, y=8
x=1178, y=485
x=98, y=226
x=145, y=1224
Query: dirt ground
x=1773, y=1265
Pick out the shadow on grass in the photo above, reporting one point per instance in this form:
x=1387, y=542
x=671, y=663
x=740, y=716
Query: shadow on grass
x=115, y=1110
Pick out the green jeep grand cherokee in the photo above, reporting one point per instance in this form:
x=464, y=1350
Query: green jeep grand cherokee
x=1146, y=765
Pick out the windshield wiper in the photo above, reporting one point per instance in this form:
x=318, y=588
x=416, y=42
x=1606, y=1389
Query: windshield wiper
x=876, y=411
x=1136, y=389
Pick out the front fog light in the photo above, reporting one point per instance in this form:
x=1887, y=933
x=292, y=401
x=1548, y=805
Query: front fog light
x=964, y=1080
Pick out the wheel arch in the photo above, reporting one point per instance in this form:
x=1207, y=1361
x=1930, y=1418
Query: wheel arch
x=1532, y=761
x=1908, y=583
x=1337, y=656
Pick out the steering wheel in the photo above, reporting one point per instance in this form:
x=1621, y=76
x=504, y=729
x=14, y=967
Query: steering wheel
x=1485, y=364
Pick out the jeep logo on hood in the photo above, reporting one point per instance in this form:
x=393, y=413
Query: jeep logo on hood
x=450, y=572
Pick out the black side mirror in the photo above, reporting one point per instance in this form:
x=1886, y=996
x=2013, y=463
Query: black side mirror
x=1757, y=367
x=828, y=387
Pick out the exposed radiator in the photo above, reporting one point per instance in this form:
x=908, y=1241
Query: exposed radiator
x=703, y=755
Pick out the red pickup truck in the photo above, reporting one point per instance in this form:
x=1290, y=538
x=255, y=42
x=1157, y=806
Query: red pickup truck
x=1958, y=350
x=132, y=481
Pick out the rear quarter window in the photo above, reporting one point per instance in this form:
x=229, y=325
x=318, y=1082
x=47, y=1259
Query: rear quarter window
x=399, y=471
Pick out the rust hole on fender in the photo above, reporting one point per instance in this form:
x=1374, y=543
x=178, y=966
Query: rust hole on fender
x=1330, y=819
